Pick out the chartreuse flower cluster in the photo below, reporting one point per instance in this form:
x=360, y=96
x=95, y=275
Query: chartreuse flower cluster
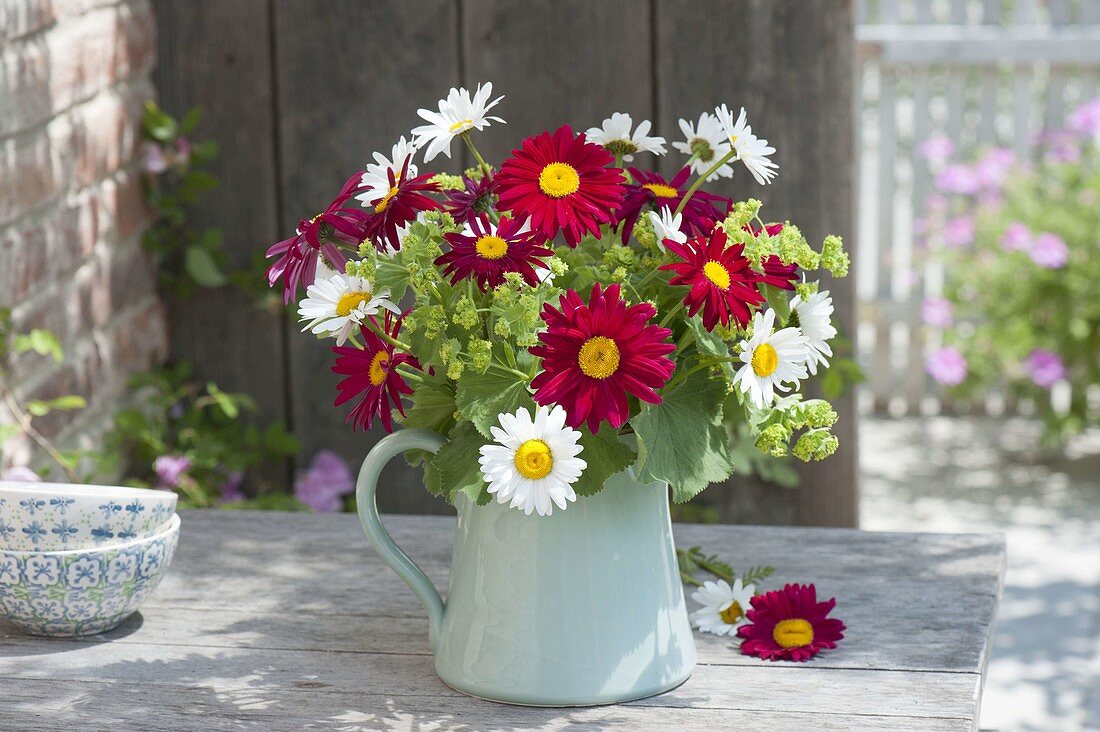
x=553, y=304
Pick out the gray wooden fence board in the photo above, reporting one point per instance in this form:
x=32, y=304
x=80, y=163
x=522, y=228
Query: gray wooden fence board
x=570, y=61
x=218, y=56
x=350, y=80
x=224, y=642
x=767, y=57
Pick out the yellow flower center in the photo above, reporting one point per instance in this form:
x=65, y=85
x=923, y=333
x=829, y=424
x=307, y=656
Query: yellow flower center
x=381, y=205
x=793, y=632
x=533, y=459
x=717, y=273
x=621, y=147
x=314, y=219
x=461, y=125
x=559, y=180
x=599, y=357
x=765, y=360
x=733, y=613
x=350, y=302
x=379, y=367
x=662, y=191
x=491, y=247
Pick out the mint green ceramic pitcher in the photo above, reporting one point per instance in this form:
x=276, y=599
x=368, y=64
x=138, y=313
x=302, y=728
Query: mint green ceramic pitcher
x=581, y=607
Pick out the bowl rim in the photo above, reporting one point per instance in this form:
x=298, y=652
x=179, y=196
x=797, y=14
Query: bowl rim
x=172, y=524
x=79, y=490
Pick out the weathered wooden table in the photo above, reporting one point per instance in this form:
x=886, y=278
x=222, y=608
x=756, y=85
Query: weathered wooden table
x=275, y=621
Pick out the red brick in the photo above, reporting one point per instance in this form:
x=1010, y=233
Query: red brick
x=29, y=173
x=23, y=17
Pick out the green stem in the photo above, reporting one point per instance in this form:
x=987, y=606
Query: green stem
x=386, y=336
x=24, y=421
x=473, y=150
x=512, y=372
x=672, y=313
x=703, y=365
x=699, y=181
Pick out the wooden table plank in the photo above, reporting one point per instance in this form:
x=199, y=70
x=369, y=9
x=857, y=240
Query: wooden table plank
x=288, y=621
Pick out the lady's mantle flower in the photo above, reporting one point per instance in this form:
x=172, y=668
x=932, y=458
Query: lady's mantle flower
x=813, y=316
x=615, y=137
x=723, y=607
x=790, y=624
x=563, y=183
x=534, y=463
x=338, y=303
x=596, y=354
x=751, y=150
x=771, y=360
x=946, y=365
x=1045, y=367
x=458, y=113
x=705, y=142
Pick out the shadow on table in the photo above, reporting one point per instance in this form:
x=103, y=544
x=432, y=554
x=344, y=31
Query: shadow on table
x=46, y=644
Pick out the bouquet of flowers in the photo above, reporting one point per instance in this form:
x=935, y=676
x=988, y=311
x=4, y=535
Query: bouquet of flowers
x=1019, y=247
x=565, y=316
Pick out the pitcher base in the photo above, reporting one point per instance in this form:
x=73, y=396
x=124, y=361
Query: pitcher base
x=549, y=702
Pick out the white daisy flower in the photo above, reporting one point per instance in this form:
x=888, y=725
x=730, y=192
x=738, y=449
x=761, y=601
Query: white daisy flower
x=814, y=320
x=458, y=113
x=376, y=177
x=616, y=137
x=706, y=142
x=723, y=607
x=771, y=359
x=336, y=304
x=667, y=226
x=751, y=150
x=535, y=463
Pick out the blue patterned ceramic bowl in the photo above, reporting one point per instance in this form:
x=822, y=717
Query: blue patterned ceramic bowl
x=83, y=591
x=50, y=517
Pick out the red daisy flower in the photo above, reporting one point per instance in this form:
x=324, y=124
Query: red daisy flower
x=486, y=254
x=476, y=197
x=321, y=235
x=722, y=282
x=594, y=356
x=650, y=188
x=563, y=183
x=398, y=206
x=789, y=623
x=371, y=371
x=776, y=273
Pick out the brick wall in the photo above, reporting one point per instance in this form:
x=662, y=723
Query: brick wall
x=73, y=77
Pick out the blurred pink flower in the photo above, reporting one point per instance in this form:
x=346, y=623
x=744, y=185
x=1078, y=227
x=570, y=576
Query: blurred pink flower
x=153, y=160
x=170, y=469
x=1045, y=367
x=325, y=483
x=1085, y=120
x=1017, y=237
x=937, y=149
x=992, y=169
x=937, y=312
x=1061, y=146
x=958, y=178
x=946, y=365
x=231, y=489
x=959, y=232
x=20, y=474
x=1050, y=251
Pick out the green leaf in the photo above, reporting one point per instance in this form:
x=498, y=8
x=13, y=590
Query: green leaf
x=69, y=401
x=158, y=124
x=778, y=300
x=42, y=342
x=606, y=454
x=203, y=269
x=225, y=401
x=8, y=431
x=682, y=441
x=433, y=405
x=38, y=408
x=392, y=276
x=482, y=398
x=191, y=120
x=455, y=467
x=711, y=344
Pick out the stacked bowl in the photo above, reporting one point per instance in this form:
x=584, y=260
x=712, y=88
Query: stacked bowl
x=79, y=559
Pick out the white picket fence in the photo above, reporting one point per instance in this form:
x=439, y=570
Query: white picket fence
x=983, y=73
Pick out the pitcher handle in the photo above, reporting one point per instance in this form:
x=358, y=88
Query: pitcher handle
x=386, y=448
